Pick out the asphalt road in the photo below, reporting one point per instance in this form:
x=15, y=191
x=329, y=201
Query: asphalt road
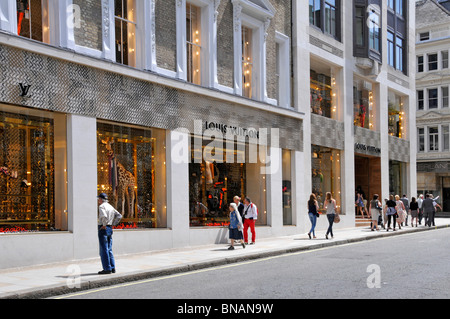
x=406, y=266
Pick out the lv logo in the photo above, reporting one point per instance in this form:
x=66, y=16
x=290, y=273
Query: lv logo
x=24, y=89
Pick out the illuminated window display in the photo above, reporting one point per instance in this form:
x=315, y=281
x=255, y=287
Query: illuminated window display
x=396, y=115
x=125, y=28
x=247, y=62
x=363, y=104
x=193, y=43
x=214, y=183
x=131, y=170
x=326, y=174
x=32, y=20
x=322, y=96
x=33, y=188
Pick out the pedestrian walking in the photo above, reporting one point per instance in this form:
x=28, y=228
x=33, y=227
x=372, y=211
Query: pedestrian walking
x=106, y=217
x=428, y=209
x=360, y=204
x=436, y=205
x=405, y=202
x=250, y=215
x=235, y=227
x=240, y=206
x=419, y=202
x=313, y=213
x=391, y=212
x=401, y=211
x=330, y=206
x=414, y=207
x=375, y=210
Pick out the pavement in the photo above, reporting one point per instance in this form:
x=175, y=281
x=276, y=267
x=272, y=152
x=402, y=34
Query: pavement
x=71, y=277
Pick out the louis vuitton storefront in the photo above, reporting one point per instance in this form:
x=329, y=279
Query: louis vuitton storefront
x=70, y=131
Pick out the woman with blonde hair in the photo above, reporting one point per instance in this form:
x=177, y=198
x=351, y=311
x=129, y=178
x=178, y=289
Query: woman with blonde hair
x=235, y=227
x=401, y=211
x=330, y=206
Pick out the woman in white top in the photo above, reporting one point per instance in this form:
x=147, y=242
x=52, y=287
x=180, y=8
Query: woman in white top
x=330, y=206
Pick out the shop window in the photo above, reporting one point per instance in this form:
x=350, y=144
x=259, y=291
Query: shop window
x=89, y=34
x=287, y=187
x=247, y=62
x=421, y=139
x=433, y=98
x=396, y=115
x=33, y=186
x=433, y=139
x=322, y=94
x=193, y=43
x=215, y=178
x=326, y=174
x=32, y=19
x=363, y=104
x=125, y=31
x=131, y=170
x=432, y=62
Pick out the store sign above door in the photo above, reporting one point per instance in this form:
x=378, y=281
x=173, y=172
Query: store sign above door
x=233, y=130
x=367, y=149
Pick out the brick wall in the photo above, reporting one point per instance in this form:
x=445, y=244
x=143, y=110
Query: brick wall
x=225, y=54
x=166, y=34
x=90, y=33
x=281, y=22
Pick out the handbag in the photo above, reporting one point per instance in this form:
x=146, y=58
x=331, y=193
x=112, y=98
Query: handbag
x=337, y=219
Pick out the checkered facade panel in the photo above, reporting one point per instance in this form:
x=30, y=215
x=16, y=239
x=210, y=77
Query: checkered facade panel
x=399, y=149
x=68, y=87
x=327, y=132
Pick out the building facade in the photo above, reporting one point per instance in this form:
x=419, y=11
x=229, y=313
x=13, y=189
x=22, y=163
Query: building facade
x=432, y=84
x=174, y=107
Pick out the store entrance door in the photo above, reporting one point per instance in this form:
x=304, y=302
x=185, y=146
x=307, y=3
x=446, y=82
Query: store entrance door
x=367, y=179
x=446, y=199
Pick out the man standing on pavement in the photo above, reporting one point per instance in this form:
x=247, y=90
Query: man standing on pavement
x=106, y=215
x=428, y=209
x=419, y=202
x=250, y=215
x=405, y=202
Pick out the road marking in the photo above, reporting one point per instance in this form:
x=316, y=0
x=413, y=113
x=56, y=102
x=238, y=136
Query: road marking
x=194, y=272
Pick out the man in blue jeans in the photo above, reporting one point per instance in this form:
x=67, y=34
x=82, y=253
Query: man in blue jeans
x=106, y=214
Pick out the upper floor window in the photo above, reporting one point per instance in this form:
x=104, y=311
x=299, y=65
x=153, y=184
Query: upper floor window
x=421, y=139
x=325, y=14
x=363, y=104
x=193, y=43
x=432, y=62
x=125, y=31
x=396, y=115
x=397, y=35
x=444, y=58
x=420, y=63
x=247, y=62
x=33, y=20
x=424, y=36
x=433, y=138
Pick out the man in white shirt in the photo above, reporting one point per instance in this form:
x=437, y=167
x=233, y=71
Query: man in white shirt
x=106, y=214
x=250, y=215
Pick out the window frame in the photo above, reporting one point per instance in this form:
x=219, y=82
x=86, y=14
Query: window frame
x=322, y=18
x=433, y=139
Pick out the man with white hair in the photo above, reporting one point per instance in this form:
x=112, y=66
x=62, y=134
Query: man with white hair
x=106, y=218
x=419, y=202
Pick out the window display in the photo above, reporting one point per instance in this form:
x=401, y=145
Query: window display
x=131, y=171
x=396, y=115
x=321, y=91
x=326, y=174
x=28, y=170
x=32, y=19
x=214, y=183
x=363, y=104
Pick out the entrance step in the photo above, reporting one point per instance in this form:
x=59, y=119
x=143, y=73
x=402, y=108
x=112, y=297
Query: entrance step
x=362, y=222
